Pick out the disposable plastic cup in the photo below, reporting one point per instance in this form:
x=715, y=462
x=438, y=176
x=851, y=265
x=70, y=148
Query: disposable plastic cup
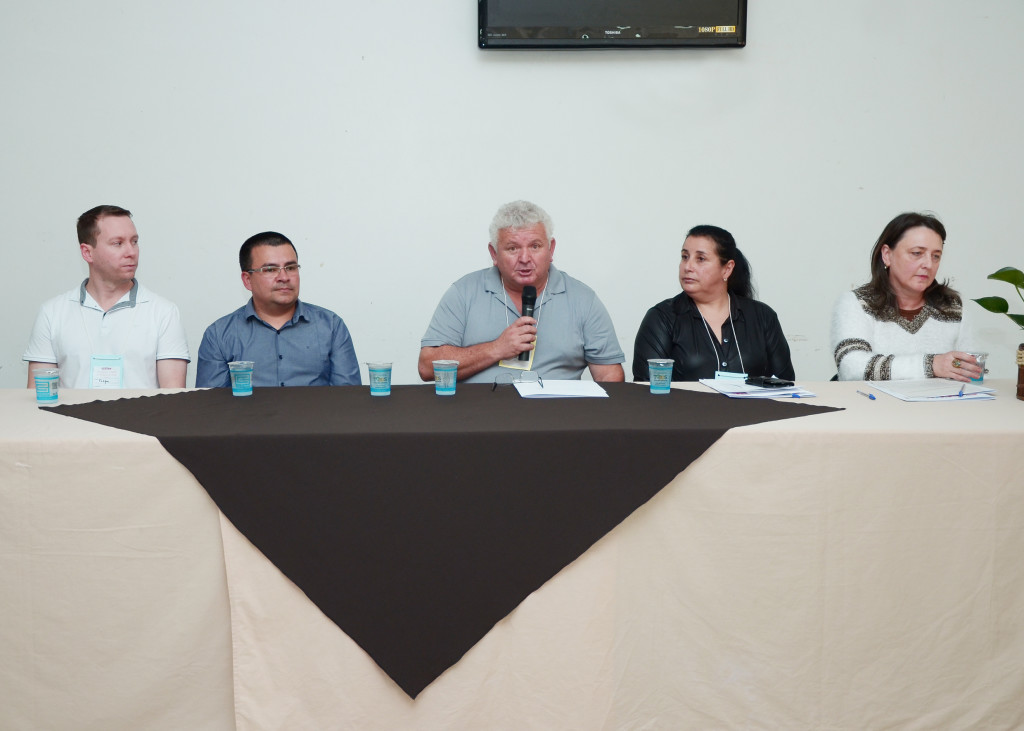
x=241, y=377
x=660, y=370
x=981, y=358
x=380, y=378
x=445, y=373
x=46, y=384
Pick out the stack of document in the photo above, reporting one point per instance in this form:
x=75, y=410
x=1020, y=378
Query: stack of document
x=735, y=388
x=934, y=389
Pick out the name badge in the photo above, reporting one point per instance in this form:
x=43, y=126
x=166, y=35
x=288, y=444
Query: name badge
x=730, y=376
x=106, y=371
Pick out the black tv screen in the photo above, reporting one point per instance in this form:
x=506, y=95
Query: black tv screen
x=611, y=23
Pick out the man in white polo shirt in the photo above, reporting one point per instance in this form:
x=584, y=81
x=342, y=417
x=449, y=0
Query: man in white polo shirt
x=109, y=332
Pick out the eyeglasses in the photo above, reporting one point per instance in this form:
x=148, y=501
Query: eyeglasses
x=273, y=271
x=507, y=379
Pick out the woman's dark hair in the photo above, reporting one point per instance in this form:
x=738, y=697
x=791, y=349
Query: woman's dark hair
x=879, y=294
x=740, y=281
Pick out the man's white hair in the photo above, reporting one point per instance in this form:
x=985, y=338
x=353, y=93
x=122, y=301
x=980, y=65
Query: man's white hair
x=520, y=214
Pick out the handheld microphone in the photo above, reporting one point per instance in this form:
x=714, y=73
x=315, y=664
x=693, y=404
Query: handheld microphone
x=529, y=300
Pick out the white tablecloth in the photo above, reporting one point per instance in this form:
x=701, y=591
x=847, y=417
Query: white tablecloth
x=858, y=569
x=113, y=600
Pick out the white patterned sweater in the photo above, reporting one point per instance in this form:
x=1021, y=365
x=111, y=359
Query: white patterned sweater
x=866, y=348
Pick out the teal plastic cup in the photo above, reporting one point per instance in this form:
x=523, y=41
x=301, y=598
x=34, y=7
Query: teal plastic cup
x=241, y=377
x=46, y=380
x=380, y=378
x=445, y=376
x=981, y=358
x=660, y=374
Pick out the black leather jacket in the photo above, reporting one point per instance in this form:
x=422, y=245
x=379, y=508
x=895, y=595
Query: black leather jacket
x=674, y=329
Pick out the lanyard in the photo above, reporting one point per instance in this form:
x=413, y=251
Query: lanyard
x=536, y=314
x=120, y=305
x=718, y=358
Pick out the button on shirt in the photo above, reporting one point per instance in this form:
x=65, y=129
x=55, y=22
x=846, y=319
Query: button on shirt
x=314, y=348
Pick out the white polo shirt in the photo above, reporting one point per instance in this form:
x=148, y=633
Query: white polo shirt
x=142, y=328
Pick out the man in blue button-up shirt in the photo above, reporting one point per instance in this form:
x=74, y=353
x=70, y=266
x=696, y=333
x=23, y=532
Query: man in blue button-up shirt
x=291, y=343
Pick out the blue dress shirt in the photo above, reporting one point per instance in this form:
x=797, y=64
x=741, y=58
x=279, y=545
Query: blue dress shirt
x=313, y=349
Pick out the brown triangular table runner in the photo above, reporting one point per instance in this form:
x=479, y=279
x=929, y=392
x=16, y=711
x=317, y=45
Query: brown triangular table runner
x=416, y=522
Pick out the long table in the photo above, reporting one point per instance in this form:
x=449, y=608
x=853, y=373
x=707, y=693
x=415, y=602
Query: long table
x=854, y=569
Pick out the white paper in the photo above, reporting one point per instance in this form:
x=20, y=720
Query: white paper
x=933, y=389
x=739, y=389
x=561, y=389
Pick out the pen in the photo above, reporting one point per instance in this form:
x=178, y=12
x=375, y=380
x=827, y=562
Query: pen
x=962, y=387
x=867, y=395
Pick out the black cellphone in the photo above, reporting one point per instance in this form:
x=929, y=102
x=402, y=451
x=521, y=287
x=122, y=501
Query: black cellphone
x=769, y=382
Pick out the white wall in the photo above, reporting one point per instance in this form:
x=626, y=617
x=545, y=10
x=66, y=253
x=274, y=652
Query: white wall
x=380, y=139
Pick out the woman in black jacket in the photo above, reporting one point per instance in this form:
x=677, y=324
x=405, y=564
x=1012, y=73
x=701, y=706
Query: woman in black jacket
x=714, y=324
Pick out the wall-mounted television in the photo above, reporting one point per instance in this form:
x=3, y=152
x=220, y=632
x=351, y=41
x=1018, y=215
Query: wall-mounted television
x=611, y=23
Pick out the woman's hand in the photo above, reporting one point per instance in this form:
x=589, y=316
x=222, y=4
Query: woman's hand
x=957, y=365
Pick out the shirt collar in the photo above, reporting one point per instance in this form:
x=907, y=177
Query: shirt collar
x=685, y=304
x=299, y=314
x=127, y=300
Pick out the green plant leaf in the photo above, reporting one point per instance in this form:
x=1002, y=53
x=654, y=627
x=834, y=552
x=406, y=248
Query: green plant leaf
x=1009, y=274
x=994, y=304
x=1019, y=319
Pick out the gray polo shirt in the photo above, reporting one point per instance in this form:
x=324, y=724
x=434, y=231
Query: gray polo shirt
x=573, y=328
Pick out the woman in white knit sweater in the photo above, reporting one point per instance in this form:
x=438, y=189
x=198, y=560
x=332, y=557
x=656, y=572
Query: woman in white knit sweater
x=903, y=323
